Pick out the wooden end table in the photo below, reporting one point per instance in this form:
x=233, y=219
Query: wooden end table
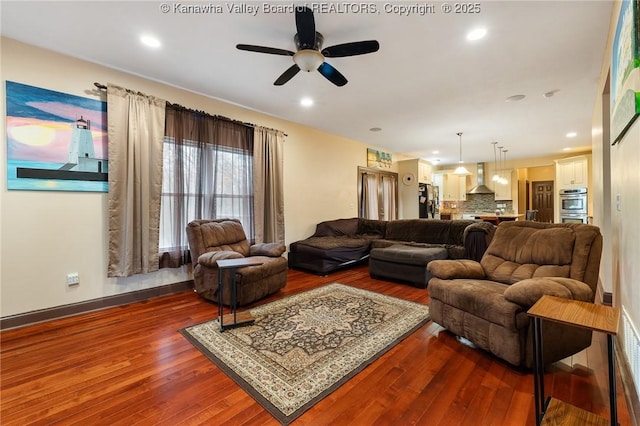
x=580, y=314
x=235, y=318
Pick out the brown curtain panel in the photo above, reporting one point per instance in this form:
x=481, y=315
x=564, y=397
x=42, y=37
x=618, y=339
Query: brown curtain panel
x=135, y=134
x=268, y=185
x=208, y=175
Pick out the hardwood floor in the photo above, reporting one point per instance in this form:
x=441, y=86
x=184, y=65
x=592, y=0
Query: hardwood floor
x=129, y=366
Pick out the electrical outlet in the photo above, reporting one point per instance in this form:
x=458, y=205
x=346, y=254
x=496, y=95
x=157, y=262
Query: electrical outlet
x=73, y=279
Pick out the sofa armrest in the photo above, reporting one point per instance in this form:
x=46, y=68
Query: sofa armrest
x=527, y=292
x=460, y=268
x=267, y=249
x=210, y=258
x=477, y=237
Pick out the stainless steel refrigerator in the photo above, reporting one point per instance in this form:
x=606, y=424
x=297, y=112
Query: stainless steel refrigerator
x=426, y=201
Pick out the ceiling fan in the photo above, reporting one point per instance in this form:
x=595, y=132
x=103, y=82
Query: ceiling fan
x=308, y=56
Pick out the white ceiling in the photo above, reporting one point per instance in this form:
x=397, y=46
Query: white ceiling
x=426, y=82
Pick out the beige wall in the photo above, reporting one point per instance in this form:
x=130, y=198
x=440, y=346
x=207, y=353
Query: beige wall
x=529, y=175
x=541, y=173
x=45, y=235
x=616, y=179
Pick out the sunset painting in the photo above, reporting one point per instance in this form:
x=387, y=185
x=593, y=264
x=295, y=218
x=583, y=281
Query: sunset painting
x=55, y=141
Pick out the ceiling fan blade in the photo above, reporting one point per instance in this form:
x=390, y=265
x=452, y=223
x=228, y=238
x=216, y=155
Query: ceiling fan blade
x=287, y=75
x=332, y=74
x=306, y=26
x=262, y=49
x=351, y=49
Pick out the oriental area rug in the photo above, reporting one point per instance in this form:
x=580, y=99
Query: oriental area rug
x=303, y=347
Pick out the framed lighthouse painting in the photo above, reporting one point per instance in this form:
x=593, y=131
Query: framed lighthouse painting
x=55, y=141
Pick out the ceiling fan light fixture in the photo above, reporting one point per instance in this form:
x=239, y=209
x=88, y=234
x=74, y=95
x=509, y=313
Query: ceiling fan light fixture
x=308, y=59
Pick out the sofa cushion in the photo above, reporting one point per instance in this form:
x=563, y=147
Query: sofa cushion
x=372, y=227
x=527, y=292
x=331, y=243
x=481, y=298
x=210, y=258
x=428, y=231
x=267, y=249
x=270, y=266
x=408, y=255
x=518, y=253
x=460, y=268
x=227, y=235
x=337, y=227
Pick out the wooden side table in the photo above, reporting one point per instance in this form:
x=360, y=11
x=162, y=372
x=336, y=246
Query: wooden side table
x=580, y=314
x=235, y=318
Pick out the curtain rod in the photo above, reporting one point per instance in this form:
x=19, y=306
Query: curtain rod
x=103, y=87
x=210, y=115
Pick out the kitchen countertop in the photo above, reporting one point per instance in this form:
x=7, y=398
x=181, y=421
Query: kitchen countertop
x=516, y=216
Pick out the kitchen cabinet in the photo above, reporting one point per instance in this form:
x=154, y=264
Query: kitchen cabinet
x=572, y=172
x=453, y=188
x=420, y=169
x=503, y=191
x=424, y=172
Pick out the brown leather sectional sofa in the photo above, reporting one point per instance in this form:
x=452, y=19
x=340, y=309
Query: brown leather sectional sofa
x=341, y=243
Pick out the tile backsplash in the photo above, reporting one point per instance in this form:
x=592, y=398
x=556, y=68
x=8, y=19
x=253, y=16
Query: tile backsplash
x=479, y=203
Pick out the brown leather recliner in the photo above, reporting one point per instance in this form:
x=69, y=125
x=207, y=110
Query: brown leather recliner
x=216, y=239
x=486, y=302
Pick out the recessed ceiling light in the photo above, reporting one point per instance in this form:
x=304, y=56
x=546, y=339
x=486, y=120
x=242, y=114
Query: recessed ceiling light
x=306, y=102
x=476, y=34
x=375, y=129
x=435, y=152
x=566, y=149
x=571, y=135
x=515, y=98
x=150, y=41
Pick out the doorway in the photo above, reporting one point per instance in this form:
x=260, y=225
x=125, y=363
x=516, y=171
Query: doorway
x=377, y=194
x=542, y=200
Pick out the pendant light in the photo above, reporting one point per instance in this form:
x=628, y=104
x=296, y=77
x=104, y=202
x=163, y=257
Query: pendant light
x=461, y=170
x=501, y=180
x=495, y=177
x=504, y=180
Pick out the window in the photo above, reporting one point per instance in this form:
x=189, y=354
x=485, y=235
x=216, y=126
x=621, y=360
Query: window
x=207, y=174
x=203, y=181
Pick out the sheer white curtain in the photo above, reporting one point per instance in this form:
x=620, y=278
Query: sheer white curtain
x=370, y=196
x=268, y=153
x=389, y=186
x=135, y=134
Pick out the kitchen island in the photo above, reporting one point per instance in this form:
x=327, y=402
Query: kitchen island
x=496, y=219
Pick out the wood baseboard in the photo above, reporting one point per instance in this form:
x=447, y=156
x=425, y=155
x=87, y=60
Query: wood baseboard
x=27, y=318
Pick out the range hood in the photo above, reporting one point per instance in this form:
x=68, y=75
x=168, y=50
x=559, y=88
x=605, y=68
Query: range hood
x=480, y=188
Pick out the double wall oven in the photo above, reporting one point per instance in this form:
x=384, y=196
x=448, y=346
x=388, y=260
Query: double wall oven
x=573, y=205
